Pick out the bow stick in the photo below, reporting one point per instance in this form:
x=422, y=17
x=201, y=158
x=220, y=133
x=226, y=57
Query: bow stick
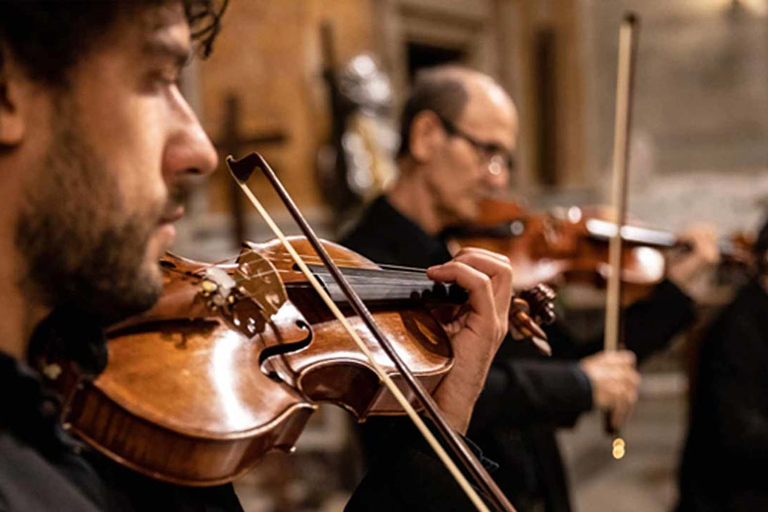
x=628, y=34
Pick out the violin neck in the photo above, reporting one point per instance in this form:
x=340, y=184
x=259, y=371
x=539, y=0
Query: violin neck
x=387, y=287
x=511, y=228
x=658, y=238
x=605, y=230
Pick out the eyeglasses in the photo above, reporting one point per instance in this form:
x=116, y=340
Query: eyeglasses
x=495, y=157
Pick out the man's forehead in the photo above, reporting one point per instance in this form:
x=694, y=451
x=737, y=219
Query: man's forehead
x=489, y=100
x=166, y=21
x=499, y=97
x=483, y=90
x=490, y=114
x=162, y=29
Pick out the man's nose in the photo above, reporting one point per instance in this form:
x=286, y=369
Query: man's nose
x=190, y=150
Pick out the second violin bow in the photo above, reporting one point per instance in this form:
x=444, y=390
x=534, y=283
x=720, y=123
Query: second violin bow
x=628, y=35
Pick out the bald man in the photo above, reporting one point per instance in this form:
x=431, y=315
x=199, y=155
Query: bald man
x=459, y=133
x=454, y=153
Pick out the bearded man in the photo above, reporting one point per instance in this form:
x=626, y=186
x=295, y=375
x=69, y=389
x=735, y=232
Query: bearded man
x=96, y=145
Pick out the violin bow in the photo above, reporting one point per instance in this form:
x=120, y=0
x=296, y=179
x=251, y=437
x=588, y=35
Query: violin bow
x=628, y=35
x=241, y=171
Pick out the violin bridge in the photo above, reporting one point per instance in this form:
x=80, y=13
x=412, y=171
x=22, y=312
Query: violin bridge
x=258, y=280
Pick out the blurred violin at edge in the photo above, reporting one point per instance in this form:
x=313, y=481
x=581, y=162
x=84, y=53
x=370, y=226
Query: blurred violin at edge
x=570, y=245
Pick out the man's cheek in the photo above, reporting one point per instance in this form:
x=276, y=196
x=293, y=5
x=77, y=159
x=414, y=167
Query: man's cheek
x=141, y=167
x=147, y=185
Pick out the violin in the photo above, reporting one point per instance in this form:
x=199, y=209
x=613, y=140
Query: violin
x=570, y=245
x=233, y=359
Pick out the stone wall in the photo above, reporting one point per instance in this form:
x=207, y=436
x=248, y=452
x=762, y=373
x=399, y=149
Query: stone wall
x=700, y=127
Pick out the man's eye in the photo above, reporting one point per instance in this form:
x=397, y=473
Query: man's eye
x=171, y=78
x=165, y=78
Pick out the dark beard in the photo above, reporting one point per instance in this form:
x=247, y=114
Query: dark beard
x=80, y=247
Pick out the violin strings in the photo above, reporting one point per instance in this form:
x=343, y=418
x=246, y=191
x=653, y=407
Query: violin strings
x=314, y=259
x=351, y=272
x=385, y=272
x=367, y=283
x=403, y=280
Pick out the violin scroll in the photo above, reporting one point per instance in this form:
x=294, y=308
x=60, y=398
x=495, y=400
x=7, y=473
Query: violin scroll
x=541, y=300
x=531, y=309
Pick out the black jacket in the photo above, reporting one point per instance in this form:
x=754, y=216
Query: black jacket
x=43, y=468
x=725, y=461
x=525, y=398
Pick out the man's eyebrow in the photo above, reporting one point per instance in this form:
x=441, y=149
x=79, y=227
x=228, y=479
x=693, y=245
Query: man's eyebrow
x=162, y=47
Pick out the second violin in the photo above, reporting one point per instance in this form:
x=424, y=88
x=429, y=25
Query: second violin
x=571, y=245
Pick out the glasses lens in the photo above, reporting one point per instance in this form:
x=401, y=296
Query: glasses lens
x=496, y=166
x=498, y=163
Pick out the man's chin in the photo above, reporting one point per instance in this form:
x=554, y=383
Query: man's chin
x=132, y=295
x=152, y=273
x=468, y=213
x=139, y=297
x=162, y=239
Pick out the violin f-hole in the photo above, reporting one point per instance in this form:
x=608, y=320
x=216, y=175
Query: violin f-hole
x=285, y=348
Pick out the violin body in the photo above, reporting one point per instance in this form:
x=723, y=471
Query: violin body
x=230, y=363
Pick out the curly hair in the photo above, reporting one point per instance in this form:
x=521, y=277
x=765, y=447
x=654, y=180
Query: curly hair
x=48, y=36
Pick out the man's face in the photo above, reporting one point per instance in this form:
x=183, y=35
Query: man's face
x=460, y=175
x=104, y=174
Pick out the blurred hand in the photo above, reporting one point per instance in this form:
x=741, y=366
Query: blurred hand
x=687, y=268
x=615, y=382
x=476, y=330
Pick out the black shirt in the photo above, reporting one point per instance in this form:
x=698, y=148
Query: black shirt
x=725, y=462
x=525, y=398
x=43, y=468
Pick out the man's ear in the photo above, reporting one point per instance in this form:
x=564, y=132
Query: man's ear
x=426, y=136
x=11, y=118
